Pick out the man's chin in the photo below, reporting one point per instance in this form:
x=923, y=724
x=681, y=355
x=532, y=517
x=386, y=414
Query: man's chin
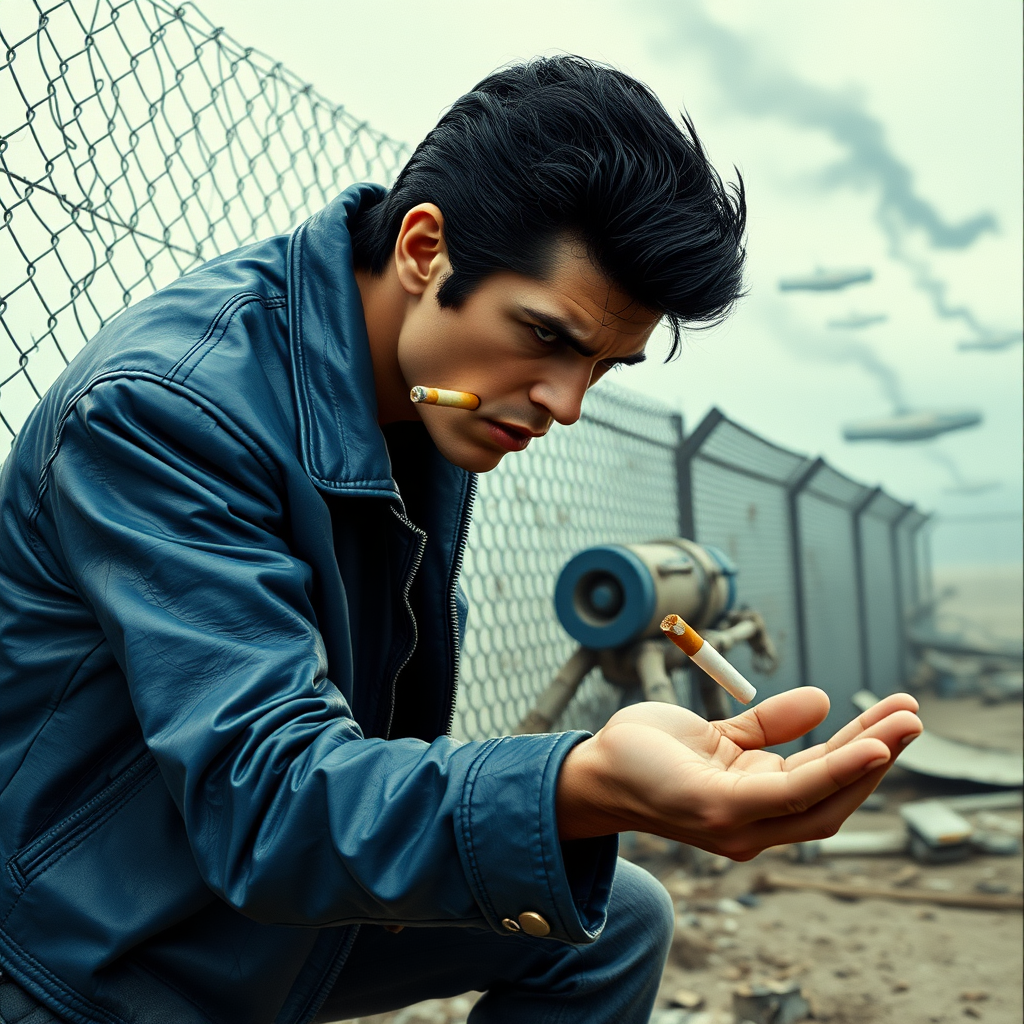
x=472, y=457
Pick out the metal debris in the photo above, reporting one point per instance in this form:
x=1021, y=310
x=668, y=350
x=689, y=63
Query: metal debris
x=949, y=759
x=770, y=1002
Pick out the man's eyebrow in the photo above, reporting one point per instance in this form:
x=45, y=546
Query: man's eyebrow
x=570, y=336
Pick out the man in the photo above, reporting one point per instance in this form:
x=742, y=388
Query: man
x=229, y=612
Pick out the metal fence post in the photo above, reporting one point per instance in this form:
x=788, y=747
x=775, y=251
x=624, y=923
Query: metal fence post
x=901, y=635
x=793, y=488
x=684, y=481
x=862, y=595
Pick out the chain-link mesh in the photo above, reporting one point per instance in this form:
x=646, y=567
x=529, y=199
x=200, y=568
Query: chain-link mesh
x=880, y=568
x=738, y=489
x=609, y=479
x=826, y=509
x=833, y=566
x=137, y=141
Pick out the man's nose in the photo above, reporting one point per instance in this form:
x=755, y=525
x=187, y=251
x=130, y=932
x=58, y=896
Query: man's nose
x=562, y=394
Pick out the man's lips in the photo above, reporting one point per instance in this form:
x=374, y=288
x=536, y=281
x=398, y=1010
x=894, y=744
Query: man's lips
x=509, y=437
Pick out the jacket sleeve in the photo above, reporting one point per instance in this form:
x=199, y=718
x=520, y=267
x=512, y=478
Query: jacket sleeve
x=170, y=525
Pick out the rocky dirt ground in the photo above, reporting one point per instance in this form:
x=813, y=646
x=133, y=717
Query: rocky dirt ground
x=856, y=961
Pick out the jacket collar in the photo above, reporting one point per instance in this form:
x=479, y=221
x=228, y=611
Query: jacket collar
x=342, y=446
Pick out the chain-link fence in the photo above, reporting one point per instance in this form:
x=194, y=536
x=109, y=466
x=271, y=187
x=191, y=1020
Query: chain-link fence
x=609, y=478
x=136, y=141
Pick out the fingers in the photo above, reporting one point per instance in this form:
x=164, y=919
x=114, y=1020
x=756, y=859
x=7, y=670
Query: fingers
x=777, y=719
x=778, y=794
x=886, y=706
x=818, y=822
x=894, y=724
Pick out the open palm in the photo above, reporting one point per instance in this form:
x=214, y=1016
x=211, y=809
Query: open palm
x=662, y=769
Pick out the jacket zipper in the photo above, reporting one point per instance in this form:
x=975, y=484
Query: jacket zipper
x=410, y=577
x=453, y=607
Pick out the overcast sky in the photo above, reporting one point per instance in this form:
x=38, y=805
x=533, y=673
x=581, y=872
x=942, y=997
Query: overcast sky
x=868, y=133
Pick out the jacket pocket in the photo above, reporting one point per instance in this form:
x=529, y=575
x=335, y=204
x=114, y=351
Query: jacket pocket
x=55, y=842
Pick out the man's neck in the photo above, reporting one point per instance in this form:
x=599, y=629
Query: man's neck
x=384, y=302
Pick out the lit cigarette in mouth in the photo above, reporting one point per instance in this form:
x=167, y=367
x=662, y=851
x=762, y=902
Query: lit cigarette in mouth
x=691, y=643
x=439, y=396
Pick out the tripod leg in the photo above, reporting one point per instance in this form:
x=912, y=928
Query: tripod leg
x=553, y=701
x=650, y=666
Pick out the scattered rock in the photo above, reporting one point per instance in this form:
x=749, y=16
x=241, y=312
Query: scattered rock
x=749, y=899
x=691, y=948
x=679, y=886
x=728, y=906
x=978, y=995
x=989, y=822
x=972, y=1011
x=900, y=986
x=774, y=958
x=687, y=999
x=907, y=875
x=997, y=844
x=991, y=886
x=671, y=1016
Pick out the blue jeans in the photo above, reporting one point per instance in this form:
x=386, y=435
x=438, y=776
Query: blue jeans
x=613, y=980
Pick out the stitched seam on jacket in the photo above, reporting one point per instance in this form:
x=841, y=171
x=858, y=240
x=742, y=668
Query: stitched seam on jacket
x=82, y=823
x=134, y=791
x=72, y=676
x=237, y=300
x=322, y=989
x=274, y=302
x=540, y=839
x=31, y=966
x=295, y=335
x=172, y=386
x=467, y=829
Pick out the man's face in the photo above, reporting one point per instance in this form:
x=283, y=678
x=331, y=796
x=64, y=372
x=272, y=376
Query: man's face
x=528, y=348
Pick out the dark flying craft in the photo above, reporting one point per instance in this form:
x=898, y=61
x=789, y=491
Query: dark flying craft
x=856, y=321
x=910, y=426
x=826, y=280
x=992, y=342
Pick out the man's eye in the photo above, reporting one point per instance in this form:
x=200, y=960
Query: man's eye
x=544, y=335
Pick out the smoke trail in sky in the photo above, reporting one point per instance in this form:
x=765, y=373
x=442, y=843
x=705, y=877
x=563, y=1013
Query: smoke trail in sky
x=831, y=348
x=760, y=90
x=959, y=484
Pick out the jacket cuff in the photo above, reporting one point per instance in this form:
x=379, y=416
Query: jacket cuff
x=507, y=835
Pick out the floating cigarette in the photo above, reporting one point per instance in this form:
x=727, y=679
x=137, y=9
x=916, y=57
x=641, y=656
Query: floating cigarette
x=692, y=644
x=439, y=396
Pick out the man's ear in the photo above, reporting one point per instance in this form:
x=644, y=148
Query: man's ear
x=421, y=256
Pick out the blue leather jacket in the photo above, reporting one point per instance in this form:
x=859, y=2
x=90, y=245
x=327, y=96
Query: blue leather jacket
x=228, y=658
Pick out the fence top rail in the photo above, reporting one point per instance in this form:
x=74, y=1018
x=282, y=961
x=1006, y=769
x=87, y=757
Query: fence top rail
x=720, y=440
x=741, y=448
x=885, y=507
x=836, y=487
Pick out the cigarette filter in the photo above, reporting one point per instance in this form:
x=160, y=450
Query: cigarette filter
x=440, y=396
x=691, y=643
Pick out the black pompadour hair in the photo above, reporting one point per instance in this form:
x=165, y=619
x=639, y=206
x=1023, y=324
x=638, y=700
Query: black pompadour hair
x=565, y=147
